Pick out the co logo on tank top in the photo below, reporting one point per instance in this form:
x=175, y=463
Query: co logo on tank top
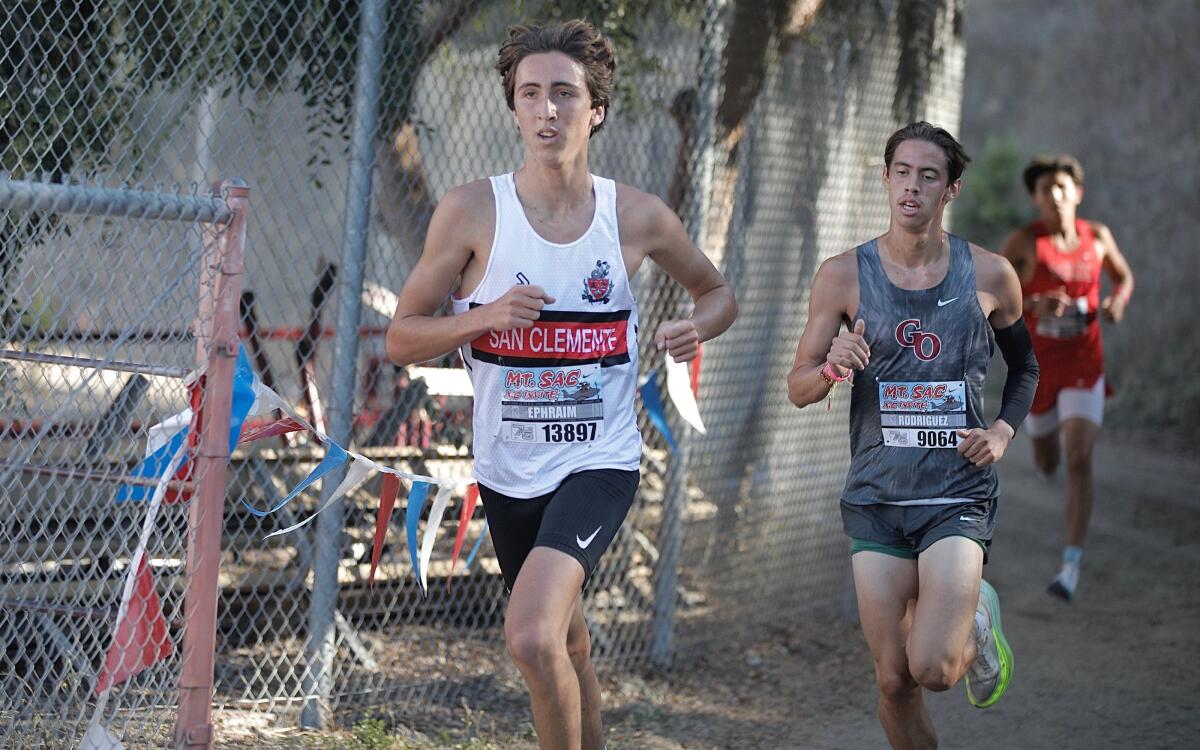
x=925, y=345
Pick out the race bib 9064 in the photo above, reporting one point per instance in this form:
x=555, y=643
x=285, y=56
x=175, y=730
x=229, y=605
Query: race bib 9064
x=922, y=415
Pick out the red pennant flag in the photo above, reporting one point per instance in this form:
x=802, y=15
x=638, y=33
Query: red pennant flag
x=695, y=370
x=184, y=473
x=270, y=429
x=468, y=510
x=387, y=501
x=141, y=638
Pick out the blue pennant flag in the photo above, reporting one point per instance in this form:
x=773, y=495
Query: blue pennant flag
x=412, y=516
x=243, y=396
x=654, y=408
x=478, y=544
x=335, y=457
x=153, y=467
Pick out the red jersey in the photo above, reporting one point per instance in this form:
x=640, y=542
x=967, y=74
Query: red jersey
x=1068, y=348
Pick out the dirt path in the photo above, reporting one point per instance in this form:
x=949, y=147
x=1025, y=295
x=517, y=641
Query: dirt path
x=1119, y=667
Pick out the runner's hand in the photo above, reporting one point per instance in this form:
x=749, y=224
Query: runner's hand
x=518, y=308
x=1052, y=304
x=849, y=351
x=679, y=337
x=1112, y=308
x=983, y=447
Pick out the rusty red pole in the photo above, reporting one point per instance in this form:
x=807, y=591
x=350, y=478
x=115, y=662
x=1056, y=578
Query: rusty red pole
x=220, y=292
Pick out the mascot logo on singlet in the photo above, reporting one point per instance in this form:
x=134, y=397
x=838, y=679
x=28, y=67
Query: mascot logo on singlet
x=926, y=346
x=598, y=286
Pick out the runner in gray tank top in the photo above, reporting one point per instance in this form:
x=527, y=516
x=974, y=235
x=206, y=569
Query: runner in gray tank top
x=923, y=311
x=929, y=354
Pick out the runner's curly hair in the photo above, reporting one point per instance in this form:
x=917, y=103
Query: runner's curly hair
x=578, y=39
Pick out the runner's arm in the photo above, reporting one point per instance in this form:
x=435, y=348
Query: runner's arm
x=1021, y=251
x=417, y=333
x=836, y=281
x=1119, y=272
x=999, y=286
x=714, y=305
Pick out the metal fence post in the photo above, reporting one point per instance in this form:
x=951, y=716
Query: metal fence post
x=205, y=515
x=319, y=650
x=699, y=199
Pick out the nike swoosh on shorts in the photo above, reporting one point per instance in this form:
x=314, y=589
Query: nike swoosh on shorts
x=583, y=543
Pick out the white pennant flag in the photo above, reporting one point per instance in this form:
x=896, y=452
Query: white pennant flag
x=679, y=388
x=360, y=469
x=99, y=738
x=431, y=528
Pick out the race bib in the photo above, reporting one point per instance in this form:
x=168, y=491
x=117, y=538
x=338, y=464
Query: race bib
x=922, y=415
x=552, y=404
x=1074, y=322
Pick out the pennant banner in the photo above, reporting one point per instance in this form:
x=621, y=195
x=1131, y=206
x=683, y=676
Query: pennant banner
x=137, y=623
x=141, y=637
x=334, y=457
x=360, y=469
x=440, y=503
x=243, y=396
x=679, y=388
x=478, y=543
x=164, y=438
x=99, y=738
x=464, y=518
x=155, y=463
x=383, y=517
x=412, y=517
x=271, y=429
x=654, y=409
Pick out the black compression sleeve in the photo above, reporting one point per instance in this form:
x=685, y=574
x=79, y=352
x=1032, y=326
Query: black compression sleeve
x=1023, y=371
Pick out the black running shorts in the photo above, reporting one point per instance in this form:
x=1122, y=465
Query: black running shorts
x=908, y=530
x=581, y=517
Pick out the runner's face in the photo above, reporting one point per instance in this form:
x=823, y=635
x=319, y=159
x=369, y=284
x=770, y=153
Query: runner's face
x=917, y=184
x=1056, y=196
x=552, y=106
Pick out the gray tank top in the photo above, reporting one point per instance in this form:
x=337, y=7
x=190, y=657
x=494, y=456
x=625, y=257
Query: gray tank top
x=929, y=354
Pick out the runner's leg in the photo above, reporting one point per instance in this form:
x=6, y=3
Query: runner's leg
x=1079, y=437
x=941, y=644
x=886, y=587
x=536, y=627
x=579, y=646
x=1046, y=452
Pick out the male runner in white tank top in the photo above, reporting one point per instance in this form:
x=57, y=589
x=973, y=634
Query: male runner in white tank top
x=539, y=263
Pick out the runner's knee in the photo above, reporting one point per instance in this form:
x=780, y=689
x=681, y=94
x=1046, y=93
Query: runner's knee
x=534, y=645
x=895, y=684
x=935, y=674
x=1079, y=459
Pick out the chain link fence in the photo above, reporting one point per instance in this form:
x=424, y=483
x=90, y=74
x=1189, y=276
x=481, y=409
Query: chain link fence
x=761, y=123
x=109, y=552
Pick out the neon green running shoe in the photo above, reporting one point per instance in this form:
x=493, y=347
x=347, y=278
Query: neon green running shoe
x=989, y=674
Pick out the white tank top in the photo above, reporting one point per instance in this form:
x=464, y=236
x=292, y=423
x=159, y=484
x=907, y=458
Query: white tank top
x=556, y=398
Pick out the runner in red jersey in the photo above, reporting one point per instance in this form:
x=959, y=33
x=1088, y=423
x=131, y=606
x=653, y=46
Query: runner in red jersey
x=1058, y=259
